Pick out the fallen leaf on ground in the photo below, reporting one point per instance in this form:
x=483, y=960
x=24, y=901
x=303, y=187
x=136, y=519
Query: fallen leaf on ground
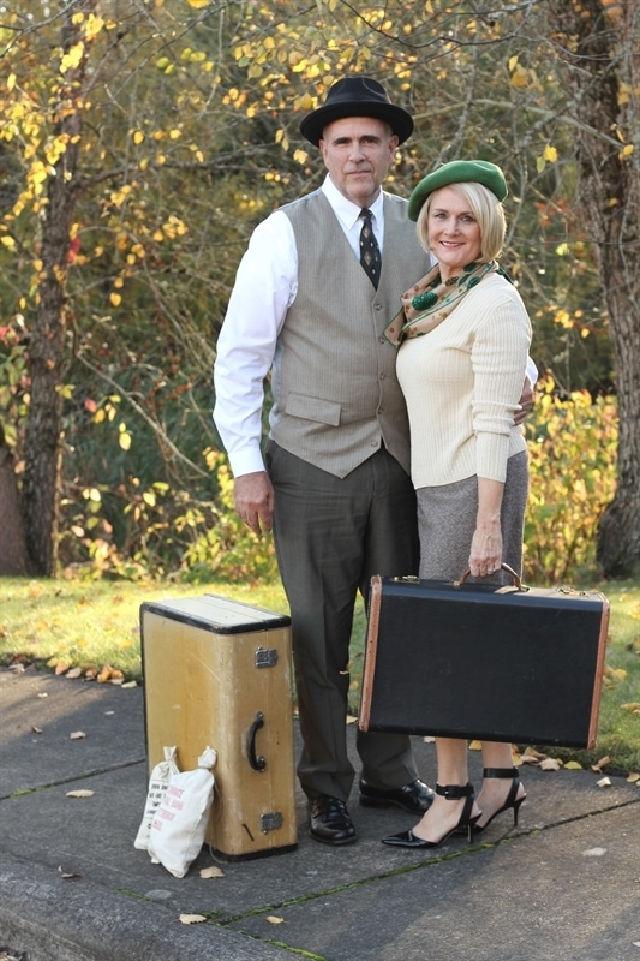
x=61, y=667
x=130, y=684
x=615, y=673
x=633, y=708
x=273, y=919
x=192, y=918
x=77, y=736
x=597, y=767
x=594, y=852
x=528, y=759
x=80, y=792
x=212, y=872
x=604, y=781
x=17, y=667
x=429, y=739
x=36, y=730
x=351, y=719
x=73, y=673
x=108, y=713
x=573, y=766
x=90, y=673
x=104, y=675
x=551, y=764
x=67, y=875
x=475, y=746
x=633, y=777
x=536, y=755
x=42, y=694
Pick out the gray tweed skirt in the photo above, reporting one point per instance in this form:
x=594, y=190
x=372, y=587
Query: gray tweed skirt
x=447, y=520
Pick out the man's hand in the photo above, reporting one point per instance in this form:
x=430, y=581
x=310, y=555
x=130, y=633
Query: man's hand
x=526, y=402
x=253, y=497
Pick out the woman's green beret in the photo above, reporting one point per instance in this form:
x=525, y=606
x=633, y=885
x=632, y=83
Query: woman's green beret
x=458, y=172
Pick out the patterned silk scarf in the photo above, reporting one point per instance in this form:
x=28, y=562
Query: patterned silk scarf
x=431, y=300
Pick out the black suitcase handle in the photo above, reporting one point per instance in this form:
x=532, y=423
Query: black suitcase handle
x=257, y=761
x=517, y=583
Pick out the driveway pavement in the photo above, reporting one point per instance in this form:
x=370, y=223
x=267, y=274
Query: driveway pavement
x=565, y=886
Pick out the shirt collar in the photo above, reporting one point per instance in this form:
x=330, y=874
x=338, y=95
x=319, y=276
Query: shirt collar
x=346, y=211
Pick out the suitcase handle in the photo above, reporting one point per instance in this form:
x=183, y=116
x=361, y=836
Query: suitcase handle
x=257, y=761
x=517, y=583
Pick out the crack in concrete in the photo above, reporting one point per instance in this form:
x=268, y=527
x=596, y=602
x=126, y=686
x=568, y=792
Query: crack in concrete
x=23, y=792
x=217, y=919
x=470, y=849
x=300, y=952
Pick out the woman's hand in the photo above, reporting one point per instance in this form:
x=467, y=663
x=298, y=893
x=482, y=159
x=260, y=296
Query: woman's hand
x=486, y=545
x=486, y=550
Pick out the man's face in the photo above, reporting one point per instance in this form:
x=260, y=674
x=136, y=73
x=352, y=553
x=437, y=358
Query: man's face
x=357, y=152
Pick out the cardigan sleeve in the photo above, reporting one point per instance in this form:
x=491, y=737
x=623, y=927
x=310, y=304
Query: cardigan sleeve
x=499, y=356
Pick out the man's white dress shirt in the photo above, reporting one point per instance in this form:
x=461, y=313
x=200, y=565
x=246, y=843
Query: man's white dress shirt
x=266, y=286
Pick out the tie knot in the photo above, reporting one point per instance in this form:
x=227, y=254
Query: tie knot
x=365, y=213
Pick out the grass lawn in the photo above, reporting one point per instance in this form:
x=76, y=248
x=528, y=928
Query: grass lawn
x=92, y=623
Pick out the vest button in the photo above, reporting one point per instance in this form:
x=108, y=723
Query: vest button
x=381, y=339
x=377, y=306
x=382, y=376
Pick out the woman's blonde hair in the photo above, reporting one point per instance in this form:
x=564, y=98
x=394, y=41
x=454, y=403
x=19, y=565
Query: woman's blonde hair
x=485, y=207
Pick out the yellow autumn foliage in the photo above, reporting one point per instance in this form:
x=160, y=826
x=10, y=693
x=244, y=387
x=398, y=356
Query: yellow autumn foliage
x=572, y=460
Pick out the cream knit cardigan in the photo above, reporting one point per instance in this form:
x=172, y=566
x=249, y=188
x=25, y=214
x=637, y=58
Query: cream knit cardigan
x=462, y=383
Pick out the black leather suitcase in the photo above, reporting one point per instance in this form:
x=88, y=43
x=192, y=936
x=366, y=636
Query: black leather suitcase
x=473, y=660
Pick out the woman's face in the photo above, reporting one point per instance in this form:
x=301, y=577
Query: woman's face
x=454, y=232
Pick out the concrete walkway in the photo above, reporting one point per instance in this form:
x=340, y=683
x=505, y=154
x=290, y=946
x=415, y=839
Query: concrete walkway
x=564, y=887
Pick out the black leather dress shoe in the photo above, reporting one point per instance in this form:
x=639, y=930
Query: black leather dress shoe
x=414, y=797
x=330, y=821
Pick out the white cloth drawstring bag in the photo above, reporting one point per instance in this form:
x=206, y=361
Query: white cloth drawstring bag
x=158, y=784
x=178, y=828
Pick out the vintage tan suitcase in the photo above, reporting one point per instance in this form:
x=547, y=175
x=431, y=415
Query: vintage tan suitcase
x=475, y=660
x=219, y=672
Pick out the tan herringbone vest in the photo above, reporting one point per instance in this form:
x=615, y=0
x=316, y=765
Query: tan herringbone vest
x=336, y=397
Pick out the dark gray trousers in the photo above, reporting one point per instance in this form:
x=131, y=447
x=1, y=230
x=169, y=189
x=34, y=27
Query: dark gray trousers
x=332, y=534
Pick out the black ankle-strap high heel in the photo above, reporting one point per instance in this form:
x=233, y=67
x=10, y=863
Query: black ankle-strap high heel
x=453, y=792
x=513, y=801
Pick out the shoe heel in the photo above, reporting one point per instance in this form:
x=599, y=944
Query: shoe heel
x=516, y=811
x=471, y=827
x=512, y=801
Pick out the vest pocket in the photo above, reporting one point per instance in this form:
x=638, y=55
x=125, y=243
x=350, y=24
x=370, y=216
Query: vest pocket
x=313, y=408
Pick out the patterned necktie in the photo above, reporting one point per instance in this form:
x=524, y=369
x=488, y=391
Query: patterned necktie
x=370, y=257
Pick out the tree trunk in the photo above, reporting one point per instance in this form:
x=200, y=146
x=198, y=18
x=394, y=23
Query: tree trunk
x=43, y=449
x=605, y=69
x=13, y=547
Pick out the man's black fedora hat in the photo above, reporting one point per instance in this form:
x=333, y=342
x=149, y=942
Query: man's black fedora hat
x=356, y=97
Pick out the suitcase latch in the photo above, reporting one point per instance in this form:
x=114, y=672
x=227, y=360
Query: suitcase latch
x=271, y=821
x=266, y=657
